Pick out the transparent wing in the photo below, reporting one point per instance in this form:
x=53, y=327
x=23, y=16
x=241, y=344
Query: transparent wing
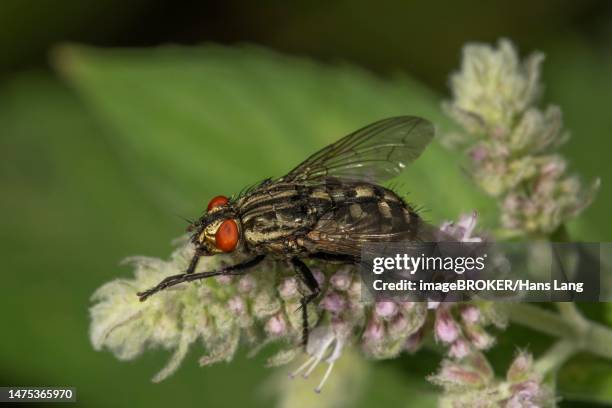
x=337, y=232
x=374, y=153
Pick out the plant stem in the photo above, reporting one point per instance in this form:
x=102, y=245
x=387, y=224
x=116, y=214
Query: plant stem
x=586, y=335
x=538, y=319
x=575, y=331
x=554, y=358
x=570, y=312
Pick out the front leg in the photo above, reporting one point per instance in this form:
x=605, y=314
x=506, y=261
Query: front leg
x=237, y=269
x=313, y=286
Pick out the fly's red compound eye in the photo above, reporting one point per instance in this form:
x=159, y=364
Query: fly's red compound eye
x=226, y=237
x=217, y=201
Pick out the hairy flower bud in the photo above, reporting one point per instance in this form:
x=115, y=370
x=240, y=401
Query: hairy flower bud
x=446, y=329
x=511, y=143
x=459, y=349
x=333, y=302
x=385, y=309
x=341, y=280
x=276, y=326
x=521, y=368
x=236, y=305
x=288, y=289
x=262, y=307
x=470, y=314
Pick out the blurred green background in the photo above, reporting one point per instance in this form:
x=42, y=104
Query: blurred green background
x=103, y=144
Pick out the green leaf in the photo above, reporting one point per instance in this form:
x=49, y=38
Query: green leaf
x=196, y=122
x=71, y=213
x=580, y=83
x=586, y=378
x=578, y=80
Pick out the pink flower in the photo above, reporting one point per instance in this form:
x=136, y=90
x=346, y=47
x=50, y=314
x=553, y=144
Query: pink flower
x=459, y=349
x=521, y=367
x=470, y=314
x=463, y=229
x=224, y=279
x=478, y=336
x=288, y=288
x=276, y=326
x=385, y=309
x=246, y=284
x=375, y=331
x=341, y=280
x=333, y=302
x=445, y=327
x=236, y=305
x=478, y=153
x=319, y=276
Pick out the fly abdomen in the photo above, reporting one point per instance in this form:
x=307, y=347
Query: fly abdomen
x=367, y=208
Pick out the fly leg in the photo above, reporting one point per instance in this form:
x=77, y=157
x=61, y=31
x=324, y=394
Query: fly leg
x=340, y=258
x=313, y=286
x=237, y=269
x=193, y=263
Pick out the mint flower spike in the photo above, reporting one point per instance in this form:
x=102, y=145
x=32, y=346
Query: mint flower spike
x=259, y=308
x=471, y=382
x=512, y=145
x=493, y=88
x=220, y=312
